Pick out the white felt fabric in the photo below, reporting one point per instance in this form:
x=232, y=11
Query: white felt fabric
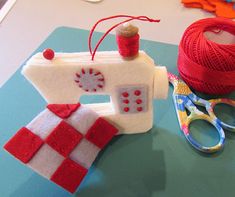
x=82, y=119
x=44, y=123
x=55, y=81
x=46, y=161
x=161, y=84
x=84, y=153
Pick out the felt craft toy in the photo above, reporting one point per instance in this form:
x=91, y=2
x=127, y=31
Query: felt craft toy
x=62, y=141
x=128, y=76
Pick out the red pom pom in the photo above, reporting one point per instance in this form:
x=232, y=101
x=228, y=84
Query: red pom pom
x=48, y=54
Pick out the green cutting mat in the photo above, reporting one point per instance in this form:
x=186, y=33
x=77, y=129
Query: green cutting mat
x=158, y=163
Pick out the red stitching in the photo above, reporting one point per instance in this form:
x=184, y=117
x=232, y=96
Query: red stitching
x=98, y=73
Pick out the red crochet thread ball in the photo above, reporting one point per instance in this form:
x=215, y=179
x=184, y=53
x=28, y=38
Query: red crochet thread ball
x=204, y=65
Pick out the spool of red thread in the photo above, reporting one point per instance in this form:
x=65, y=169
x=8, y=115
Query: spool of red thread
x=127, y=38
x=129, y=45
x=205, y=65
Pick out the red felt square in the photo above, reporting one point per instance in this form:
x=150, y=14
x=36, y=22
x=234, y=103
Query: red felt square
x=23, y=145
x=69, y=175
x=64, y=138
x=63, y=110
x=101, y=132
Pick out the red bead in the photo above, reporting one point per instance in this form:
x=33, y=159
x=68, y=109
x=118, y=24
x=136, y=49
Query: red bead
x=138, y=101
x=125, y=94
x=137, y=92
x=139, y=109
x=48, y=54
x=126, y=109
x=125, y=101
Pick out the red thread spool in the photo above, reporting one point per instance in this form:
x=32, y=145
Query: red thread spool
x=130, y=18
x=204, y=65
x=128, y=40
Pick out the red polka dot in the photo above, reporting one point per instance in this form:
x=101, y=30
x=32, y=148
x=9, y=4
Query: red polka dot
x=139, y=109
x=125, y=94
x=137, y=92
x=138, y=101
x=126, y=109
x=126, y=101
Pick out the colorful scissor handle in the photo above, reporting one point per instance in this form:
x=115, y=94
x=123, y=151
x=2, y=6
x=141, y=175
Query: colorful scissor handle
x=210, y=109
x=210, y=106
x=185, y=122
x=197, y=145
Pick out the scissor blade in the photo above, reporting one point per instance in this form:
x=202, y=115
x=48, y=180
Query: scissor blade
x=180, y=87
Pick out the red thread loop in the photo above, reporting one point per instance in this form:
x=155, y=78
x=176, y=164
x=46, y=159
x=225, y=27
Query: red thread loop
x=130, y=18
x=204, y=65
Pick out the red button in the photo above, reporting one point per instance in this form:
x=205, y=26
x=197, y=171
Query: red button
x=125, y=101
x=137, y=92
x=139, y=109
x=125, y=94
x=126, y=109
x=138, y=101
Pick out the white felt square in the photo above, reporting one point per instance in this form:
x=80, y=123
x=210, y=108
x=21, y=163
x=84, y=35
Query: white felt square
x=85, y=153
x=46, y=161
x=44, y=123
x=82, y=119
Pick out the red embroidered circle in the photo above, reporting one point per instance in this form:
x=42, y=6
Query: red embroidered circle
x=89, y=79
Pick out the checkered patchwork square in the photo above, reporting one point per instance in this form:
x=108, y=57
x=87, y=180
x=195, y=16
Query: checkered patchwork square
x=101, y=132
x=85, y=153
x=49, y=120
x=24, y=145
x=69, y=175
x=46, y=161
x=61, y=143
x=64, y=138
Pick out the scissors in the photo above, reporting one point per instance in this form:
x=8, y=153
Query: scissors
x=184, y=99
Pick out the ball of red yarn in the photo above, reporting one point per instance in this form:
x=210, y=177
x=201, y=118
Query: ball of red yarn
x=204, y=65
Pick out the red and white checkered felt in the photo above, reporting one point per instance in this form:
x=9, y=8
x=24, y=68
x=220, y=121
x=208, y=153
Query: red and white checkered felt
x=62, y=142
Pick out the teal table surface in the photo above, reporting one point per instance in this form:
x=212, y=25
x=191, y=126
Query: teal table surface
x=157, y=163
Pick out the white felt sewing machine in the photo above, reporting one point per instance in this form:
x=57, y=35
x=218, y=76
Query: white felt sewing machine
x=131, y=83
